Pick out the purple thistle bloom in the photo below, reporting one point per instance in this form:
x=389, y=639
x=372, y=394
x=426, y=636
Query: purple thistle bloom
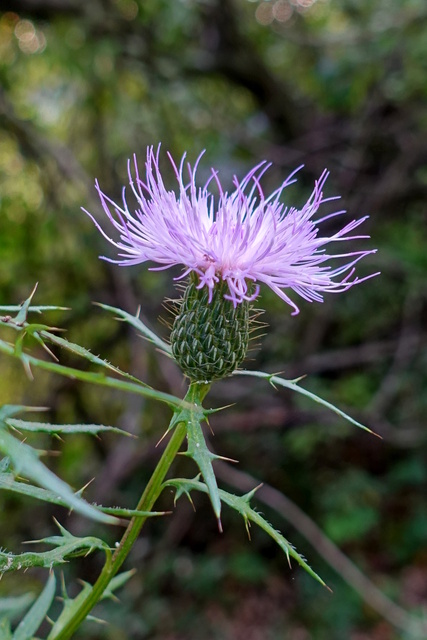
x=246, y=237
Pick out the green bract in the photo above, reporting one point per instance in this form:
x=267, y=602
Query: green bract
x=210, y=339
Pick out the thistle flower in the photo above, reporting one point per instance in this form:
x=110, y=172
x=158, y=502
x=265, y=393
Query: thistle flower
x=228, y=247
x=243, y=238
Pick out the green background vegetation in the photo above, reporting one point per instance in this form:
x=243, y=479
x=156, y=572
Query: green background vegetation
x=84, y=85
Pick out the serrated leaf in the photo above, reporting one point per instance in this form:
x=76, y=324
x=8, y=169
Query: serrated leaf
x=88, y=355
x=26, y=307
x=70, y=606
x=293, y=386
x=135, y=322
x=199, y=452
x=91, y=377
x=62, y=429
x=242, y=506
x=11, y=308
x=117, y=582
x=23, y=311
x=66, y=546
x=35, y=616
x=73, y=544
x=25, y=461
x=197, y=449
x=8, y=482
x=41, y=332
x=121, y=512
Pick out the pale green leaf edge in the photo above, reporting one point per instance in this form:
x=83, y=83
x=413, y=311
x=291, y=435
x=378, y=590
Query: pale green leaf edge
x=135, y=322
x=35, y=616
x=63, y=429
x=292, y=384
x=8, y=483
x=93, y=377
x=66, y=546
x=241, y=505
x=199, y=452
x=14, y=604
x=25, y=460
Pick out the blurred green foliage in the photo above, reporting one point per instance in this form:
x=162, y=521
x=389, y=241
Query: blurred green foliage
x=324, y=83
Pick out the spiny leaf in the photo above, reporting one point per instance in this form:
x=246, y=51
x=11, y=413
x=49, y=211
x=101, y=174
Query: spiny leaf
x=250, y=494
x=293, y=385
x=191, y=407
x=70, y=606
x=62, y=429
x=8, y=482
x=71, y=543
x=88, y=355
x=192, y=417
x=40, y=331
x=183, y=490
x=117, y=582
x=9, y=410
x=11, y=308
x=121, y=512
x=25, y=461
x=199, y=452
x=23, y=311
x=65, y=546
x=92, y=377
x=33, y=619
x=135, y=322
x=241, y=505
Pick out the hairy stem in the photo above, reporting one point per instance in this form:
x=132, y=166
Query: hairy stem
x=195, y=395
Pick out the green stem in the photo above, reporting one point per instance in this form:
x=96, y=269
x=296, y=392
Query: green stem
x=195, y=395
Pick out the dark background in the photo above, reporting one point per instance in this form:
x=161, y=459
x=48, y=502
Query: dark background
x=332, y=84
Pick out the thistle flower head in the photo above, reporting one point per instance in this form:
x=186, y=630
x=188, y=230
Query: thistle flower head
x=237, y=240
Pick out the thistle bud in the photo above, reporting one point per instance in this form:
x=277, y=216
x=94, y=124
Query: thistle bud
x=209, y=339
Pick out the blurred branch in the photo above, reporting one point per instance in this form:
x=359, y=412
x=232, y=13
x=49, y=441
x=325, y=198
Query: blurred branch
x=339, y=359
x=407, y=347
x=266, y=494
